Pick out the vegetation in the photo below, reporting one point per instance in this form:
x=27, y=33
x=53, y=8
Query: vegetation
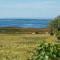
x=17, y=30
x=54, y=27
x=20, y=46
x=46, y=51
x=17, y=46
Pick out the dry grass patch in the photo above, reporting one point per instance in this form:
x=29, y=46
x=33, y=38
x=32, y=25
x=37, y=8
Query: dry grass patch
x=20, y=46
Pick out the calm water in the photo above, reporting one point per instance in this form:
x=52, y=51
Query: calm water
x=26, y=23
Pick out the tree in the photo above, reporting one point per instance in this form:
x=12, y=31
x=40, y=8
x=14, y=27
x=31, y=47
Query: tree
x=54, y=26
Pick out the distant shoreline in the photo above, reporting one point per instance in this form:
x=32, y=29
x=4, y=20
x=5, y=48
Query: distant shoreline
x=23, y=25
x=22, y=30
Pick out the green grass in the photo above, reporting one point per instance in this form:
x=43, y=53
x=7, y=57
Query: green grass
x=20, y=46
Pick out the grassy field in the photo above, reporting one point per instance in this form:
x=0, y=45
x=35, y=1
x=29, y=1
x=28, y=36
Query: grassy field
x=20, y=46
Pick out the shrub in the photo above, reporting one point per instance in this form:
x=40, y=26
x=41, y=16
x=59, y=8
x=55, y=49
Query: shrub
x=54, y=27
x=46, y=51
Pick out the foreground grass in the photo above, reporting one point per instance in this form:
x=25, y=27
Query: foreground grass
x=20, y=46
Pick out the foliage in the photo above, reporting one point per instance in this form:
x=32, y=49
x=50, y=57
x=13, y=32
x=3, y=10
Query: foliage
x=46, y=51
x=20, y=46
x=54, y=26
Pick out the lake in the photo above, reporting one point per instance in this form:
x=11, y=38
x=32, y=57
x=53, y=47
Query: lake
x=25, y=23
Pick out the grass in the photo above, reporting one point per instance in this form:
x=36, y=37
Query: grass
x=20, y=46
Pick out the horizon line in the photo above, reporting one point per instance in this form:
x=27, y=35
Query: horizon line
x=26, y=18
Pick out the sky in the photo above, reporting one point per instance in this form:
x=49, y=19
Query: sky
x=29, y=8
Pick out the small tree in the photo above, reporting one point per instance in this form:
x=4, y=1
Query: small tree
x=54, y=26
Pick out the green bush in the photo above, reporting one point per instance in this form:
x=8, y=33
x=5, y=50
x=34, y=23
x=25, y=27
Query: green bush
x=58, y=33
x=46, y=51
x=54, y=27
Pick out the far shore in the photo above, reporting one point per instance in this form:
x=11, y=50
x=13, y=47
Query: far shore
x=22, y=30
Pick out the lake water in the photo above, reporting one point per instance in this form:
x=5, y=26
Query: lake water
x=26, y=23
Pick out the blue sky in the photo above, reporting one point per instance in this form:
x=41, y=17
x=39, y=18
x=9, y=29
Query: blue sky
x=29, y=8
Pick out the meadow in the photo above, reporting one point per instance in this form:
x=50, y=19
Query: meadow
x=21, y=46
